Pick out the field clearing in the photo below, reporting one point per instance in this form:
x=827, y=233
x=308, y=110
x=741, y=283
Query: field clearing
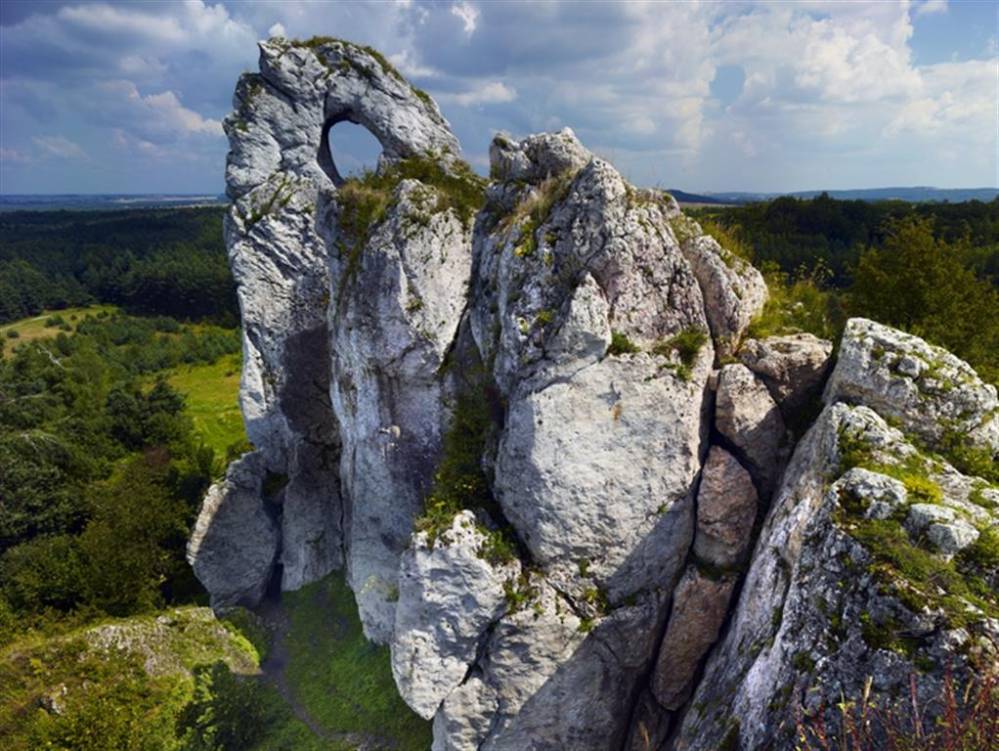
x=34, y=328
x=212, y=395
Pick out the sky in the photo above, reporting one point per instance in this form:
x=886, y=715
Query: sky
x=128, y=97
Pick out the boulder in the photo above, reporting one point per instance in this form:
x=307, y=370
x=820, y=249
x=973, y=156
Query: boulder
x=726, y=509
x=734, y=291
x=449, y=595
x=234, y=542
x=793, y=367
x=929, y=391
x=700, y=605
x=748, y=418
x=880, y=495
x=823, y=608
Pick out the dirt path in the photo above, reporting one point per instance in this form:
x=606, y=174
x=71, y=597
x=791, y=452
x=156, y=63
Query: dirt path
x=274, y=671
x=273, y=668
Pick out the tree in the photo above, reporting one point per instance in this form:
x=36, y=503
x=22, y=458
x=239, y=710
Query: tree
x=918, y=283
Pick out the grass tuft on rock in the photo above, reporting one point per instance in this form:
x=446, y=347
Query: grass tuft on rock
x=621, y=344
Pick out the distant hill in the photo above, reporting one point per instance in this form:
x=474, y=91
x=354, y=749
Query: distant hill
x=105, y=202
x=917, y=194
x=684, y=197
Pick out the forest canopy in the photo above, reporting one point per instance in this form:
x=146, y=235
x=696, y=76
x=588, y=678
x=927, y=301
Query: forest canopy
x=162, y=261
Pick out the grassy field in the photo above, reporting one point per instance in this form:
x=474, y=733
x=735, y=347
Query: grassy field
x=32, y=329
x=342, y=680
x=212, y=394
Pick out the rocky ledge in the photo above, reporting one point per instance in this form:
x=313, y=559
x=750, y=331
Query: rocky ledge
x=523, y=414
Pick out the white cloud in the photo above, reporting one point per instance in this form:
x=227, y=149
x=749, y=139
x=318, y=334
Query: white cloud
x=59, y=146
x=468, y=14
x=277, y=30
x=160, y=113
x=493, y=92
x=13, y=156
x=929, y=7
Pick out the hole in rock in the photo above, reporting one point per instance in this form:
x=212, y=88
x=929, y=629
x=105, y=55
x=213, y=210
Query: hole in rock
x=348, y=150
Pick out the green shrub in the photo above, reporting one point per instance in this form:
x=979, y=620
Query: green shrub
x=621, y=344
x=728, y=237
x=459, y=482
x=227, y=713
x=798, y=303
x=687, y=344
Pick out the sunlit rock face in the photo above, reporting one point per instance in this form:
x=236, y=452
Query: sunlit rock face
x=524, y=416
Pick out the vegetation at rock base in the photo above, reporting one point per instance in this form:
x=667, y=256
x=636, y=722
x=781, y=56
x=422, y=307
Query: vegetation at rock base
x=343, y=680
x=687, y=344
x=532, y=212
x=968, y=720
x=799, y=301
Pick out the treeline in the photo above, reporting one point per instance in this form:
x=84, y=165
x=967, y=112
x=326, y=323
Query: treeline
x=101, y=471
x=930, y=269
x=803, y=233
x=166, y=262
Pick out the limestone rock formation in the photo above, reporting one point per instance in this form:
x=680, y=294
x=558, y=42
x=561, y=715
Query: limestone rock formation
x=497, y=405
x=449, y=594
x=828, y=603
x=733, y=290
x=726, y=509
x=700, y=605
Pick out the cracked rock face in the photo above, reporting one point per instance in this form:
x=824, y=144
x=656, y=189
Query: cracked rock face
x=303, y=363
x=750, y=420
x=726, y=510
x=733, y=290
x=700, y=605
x=823, y=607
x=392, y=322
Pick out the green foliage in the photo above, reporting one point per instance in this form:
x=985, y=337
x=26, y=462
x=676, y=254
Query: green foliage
x=76, y=691
x=228, y=712
x=364, y=201
x=100, y=472
x=621, y=344
x=534, y=211
x=968, y=458
x=983, y=554
x=920, y=284
x=343, y=680
x=134, y=541
x=687, y=344
x=729, y=237
x=156, y=261
x=459, y=482
x=798, y=302
x=918, y=578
